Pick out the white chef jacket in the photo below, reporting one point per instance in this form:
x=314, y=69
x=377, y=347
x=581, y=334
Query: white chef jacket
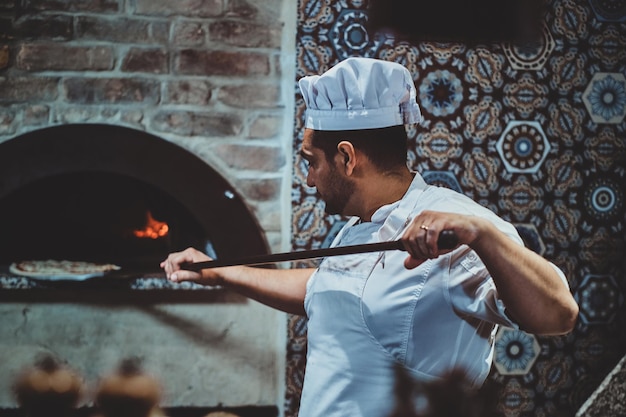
x=367, y=312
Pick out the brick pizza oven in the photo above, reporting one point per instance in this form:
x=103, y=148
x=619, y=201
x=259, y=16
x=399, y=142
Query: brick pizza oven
x=102, y=193
x=118, y=113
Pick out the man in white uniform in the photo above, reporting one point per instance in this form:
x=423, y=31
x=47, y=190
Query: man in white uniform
x=428, y=309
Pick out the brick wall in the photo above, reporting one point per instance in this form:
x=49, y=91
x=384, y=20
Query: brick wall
x=208, y=75
x=212, y=76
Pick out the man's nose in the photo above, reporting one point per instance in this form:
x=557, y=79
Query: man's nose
x=309, y=180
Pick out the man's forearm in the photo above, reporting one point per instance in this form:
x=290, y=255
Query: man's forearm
x=533, y=292
x=283, y=289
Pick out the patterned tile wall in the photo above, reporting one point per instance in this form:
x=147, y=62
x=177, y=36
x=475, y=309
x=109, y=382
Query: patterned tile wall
x=535, y=132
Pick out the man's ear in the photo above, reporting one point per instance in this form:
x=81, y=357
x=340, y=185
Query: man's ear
x=347, y=154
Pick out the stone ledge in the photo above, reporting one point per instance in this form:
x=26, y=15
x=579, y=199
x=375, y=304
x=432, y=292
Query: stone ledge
x=609, y=399
x=139, y=283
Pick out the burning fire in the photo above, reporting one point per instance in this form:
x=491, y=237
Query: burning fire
x=154, y=229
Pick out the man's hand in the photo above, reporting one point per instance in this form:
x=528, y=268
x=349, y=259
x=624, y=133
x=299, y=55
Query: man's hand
x=174, y=273
x=421, y=238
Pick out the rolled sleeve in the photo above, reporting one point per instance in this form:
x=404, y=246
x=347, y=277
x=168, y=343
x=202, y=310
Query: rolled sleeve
x=473, y=293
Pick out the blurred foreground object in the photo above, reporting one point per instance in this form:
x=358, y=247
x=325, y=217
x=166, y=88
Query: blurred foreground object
x=518, y=21
x=129, y=392
x=451, y=396
x=48, y=389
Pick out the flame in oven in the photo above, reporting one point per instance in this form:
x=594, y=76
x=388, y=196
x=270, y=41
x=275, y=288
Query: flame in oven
x=153, y=229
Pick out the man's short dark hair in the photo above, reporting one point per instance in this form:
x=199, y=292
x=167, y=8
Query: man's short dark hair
x=385, y=147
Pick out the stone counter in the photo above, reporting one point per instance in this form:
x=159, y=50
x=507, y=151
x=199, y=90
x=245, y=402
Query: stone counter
x=209, y=348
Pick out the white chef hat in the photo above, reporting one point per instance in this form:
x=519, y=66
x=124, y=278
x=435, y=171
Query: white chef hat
x=360, y=93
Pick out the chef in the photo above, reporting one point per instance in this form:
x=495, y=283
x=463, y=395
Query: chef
x=428, y=309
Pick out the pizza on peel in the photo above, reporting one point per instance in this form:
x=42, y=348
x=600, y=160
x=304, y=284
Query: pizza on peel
x=51, y=269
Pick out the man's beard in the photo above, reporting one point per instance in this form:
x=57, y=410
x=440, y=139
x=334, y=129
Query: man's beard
x=338, y=195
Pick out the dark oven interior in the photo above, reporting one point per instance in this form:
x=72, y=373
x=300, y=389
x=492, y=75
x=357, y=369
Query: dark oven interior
x=111, y=194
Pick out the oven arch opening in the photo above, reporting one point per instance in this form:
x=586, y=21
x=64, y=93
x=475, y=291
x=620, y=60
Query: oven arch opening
x=109, y=170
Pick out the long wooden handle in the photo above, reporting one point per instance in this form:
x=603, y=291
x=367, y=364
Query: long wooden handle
x=447, y=240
